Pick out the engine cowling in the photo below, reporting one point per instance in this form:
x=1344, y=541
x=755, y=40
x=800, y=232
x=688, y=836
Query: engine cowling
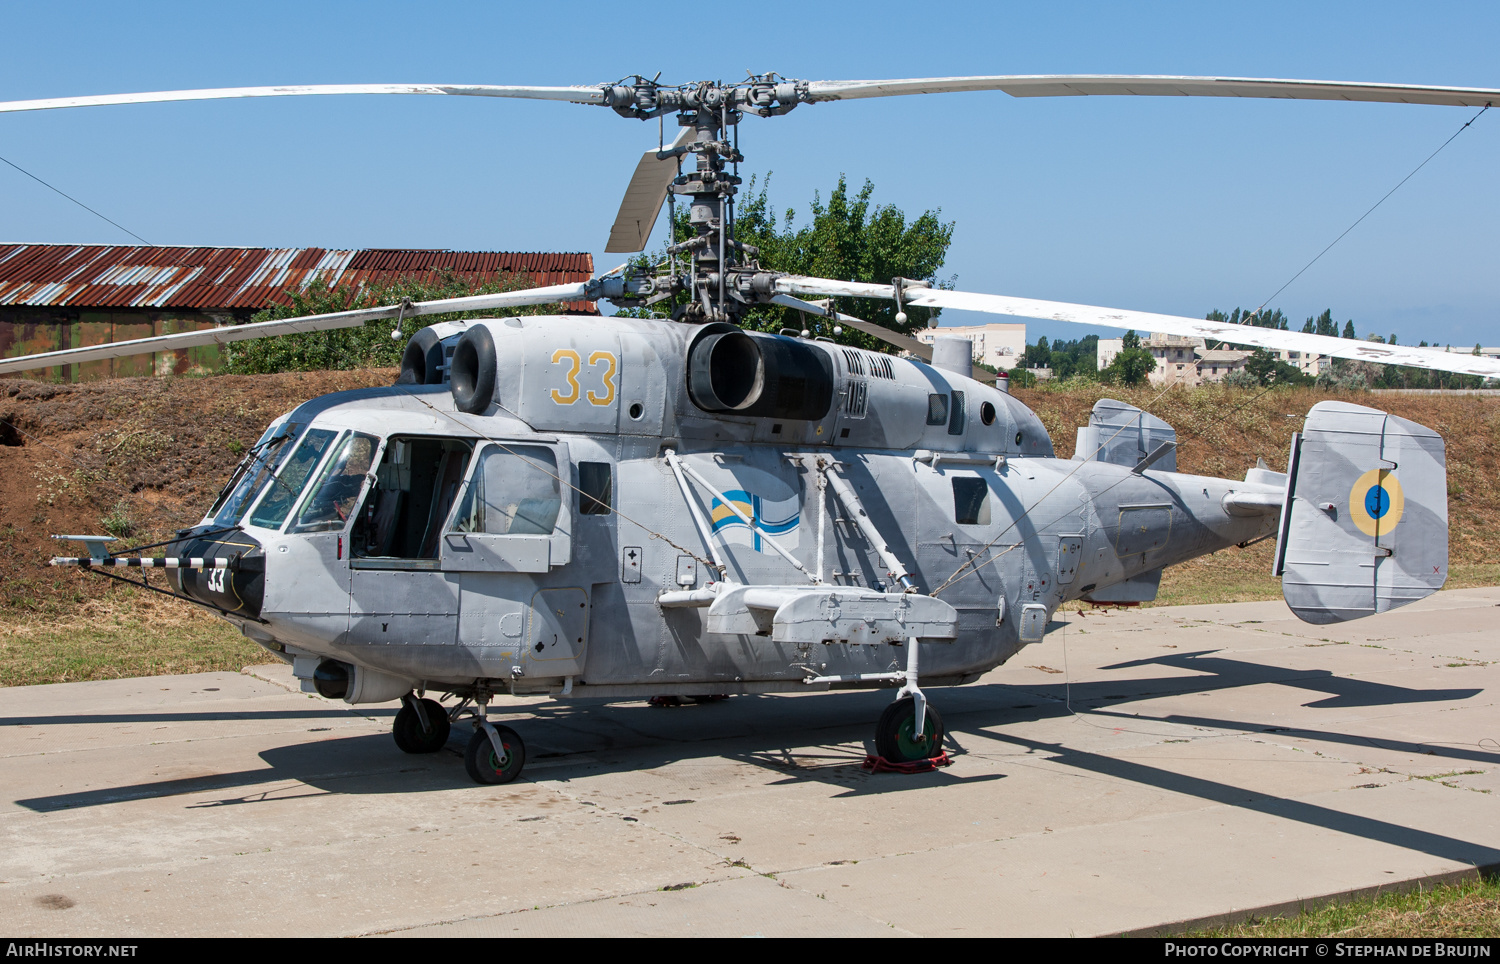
x=743, y=373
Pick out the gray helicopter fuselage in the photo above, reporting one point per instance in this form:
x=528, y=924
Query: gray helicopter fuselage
x=547, y=541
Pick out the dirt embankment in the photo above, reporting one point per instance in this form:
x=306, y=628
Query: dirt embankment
x=148, y=455
x=139, y=457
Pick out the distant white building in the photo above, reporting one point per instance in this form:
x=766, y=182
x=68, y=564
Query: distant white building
x=1185, y=361
x=998, y=345
x=1215, y=363
x=1308, y=363
x=1176, y=357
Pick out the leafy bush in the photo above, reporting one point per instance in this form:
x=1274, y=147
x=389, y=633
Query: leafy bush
x=1240, y=378
x=849, y=238
x=1339, y=379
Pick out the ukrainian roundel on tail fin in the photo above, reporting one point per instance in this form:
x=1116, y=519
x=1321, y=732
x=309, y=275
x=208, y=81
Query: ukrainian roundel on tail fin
x=1364, y=528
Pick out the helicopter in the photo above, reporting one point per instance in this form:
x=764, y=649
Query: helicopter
x=623, y=507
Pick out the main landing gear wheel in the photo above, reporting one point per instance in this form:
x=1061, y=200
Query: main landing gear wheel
x=408, y=732
x=894, y=736
x=485, y=766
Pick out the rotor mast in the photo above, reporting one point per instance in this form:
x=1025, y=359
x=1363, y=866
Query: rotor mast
x=723, y=277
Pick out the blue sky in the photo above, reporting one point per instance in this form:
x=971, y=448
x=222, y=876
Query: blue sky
x=1173, y=205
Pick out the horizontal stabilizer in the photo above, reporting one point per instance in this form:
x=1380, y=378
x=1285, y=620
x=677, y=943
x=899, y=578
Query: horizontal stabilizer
x=1365, y=525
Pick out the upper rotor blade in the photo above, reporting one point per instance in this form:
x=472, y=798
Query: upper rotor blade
x=1075, y=85
x=294, y=326
x=576, y=95
x=1430, y=358
x=644, y=197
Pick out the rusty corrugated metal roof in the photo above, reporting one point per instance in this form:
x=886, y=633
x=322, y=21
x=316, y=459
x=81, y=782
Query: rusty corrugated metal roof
x=206, y=279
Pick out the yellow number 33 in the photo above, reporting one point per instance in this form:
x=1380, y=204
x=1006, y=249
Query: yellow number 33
x=575, y=364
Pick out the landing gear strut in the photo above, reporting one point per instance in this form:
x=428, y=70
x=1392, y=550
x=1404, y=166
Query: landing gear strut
x=495, y=753
x=421, y=725
x=910, y=730
x=897, y=738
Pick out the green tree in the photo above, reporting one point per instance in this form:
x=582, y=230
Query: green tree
x=1322, y=324
x=1021, y=378
x=1349, y=328
x=1133, y=365
x=1270, y=370
x=848, y=238
x=1038, y=355
x=369, y=345
x=1065, y=358
x=1241, y=316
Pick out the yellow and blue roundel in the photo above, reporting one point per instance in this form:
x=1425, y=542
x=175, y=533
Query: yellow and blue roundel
x=1376, y=502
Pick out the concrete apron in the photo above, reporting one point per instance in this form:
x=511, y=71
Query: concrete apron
x=1139, y=768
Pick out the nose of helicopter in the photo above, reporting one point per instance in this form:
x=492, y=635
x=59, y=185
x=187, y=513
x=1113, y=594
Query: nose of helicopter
x=235, y=586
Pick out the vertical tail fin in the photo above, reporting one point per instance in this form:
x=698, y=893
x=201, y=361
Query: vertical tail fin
x=1364, y=528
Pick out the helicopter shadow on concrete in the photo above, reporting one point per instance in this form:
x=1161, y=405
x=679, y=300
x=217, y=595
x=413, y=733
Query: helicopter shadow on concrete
x=1468, y=753
x=220, y=716
x=799, y=739
x=359, y=764
x=1222, y=672
x=564, y=740
x=1311, y=814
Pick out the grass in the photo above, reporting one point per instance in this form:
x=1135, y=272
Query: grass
x=127, y=634
x=1467, y=909
x=1201, y=581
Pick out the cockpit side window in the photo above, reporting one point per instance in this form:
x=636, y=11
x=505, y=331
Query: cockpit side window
x=332, y=501
x=514, y=491
x=415, y=488
x=291, y=478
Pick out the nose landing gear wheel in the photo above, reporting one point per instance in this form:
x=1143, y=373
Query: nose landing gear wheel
x=894, y=736
x=485, y=766
x=407, y=730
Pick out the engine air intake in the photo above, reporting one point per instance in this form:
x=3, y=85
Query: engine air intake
x=471, y=374
x=735, y=372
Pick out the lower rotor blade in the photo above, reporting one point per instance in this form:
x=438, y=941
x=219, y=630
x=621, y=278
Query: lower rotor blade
x=1271, y=338
x=576, y=95
x=644, y=197
x=904, y=342
x=1077, y=85
x=293, y=326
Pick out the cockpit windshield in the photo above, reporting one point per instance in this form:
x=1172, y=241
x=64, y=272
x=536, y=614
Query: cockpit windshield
x=252, y=474
x=291, y=478
x=332, y=502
